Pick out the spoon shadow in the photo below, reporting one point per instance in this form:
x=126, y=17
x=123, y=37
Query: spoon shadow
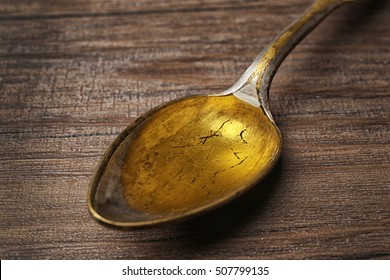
x=206, y=231
x=195, y=238
x=361, y=14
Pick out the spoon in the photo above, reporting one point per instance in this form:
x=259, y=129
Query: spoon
x=191, y=155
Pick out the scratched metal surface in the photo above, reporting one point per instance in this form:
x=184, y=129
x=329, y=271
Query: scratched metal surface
x=73, y=74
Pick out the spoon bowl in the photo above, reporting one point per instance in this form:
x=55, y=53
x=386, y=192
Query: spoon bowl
x=185, y=157
x=191, y=155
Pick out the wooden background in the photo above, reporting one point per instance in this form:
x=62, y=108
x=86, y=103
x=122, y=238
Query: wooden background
x=74, y=73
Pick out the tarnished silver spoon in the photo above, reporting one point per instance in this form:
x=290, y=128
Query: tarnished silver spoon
x=194, y=154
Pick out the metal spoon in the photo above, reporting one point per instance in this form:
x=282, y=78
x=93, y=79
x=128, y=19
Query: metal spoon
x=191, y=155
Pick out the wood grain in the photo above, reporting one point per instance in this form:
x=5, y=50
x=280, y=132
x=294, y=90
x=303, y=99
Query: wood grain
x=73, y=74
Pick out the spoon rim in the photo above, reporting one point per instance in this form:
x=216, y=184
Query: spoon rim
x=98, y=173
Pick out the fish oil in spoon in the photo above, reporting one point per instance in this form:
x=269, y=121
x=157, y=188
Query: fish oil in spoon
x=193, y=154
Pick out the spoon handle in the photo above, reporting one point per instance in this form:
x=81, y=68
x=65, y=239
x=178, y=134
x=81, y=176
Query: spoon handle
x=261, y=72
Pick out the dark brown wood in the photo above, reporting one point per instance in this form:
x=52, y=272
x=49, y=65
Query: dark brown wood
x=73, y=74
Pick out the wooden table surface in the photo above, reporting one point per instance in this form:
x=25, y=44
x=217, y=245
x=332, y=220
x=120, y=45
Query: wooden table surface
x=74, y=73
